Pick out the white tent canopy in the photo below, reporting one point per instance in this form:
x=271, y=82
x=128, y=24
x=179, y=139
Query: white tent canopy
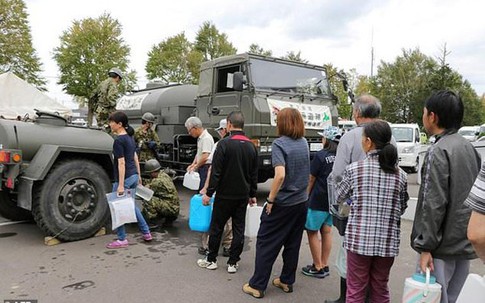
x=18, y=98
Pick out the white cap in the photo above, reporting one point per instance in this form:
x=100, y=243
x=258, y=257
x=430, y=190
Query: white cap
x=222, y=124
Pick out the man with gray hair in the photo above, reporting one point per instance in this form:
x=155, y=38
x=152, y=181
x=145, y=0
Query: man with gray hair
x=205, y=143
x=366, y=108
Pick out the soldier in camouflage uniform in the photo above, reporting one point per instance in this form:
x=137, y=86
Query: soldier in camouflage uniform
x=103, y=100
x=165, y=202
x=146, y=138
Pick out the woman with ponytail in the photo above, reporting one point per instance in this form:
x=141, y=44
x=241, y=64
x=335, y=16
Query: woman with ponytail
x=126, y=172
x=377, y=188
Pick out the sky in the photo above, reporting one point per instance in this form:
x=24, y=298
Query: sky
x=341, y=32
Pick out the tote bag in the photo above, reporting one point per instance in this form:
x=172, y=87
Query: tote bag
x=122, y=208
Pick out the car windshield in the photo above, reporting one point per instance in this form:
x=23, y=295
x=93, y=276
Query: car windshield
x=402, y=134
x=279, y=76
x=467, y=132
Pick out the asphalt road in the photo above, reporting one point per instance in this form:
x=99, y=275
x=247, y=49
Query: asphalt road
x=163, y=271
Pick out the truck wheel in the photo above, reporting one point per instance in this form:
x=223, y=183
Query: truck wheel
x=70, y=203
x=10, y=210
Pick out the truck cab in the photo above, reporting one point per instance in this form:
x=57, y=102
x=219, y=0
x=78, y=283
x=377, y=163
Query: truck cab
x=256, y=85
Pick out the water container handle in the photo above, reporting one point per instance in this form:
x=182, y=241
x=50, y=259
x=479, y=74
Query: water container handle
x=428, y=277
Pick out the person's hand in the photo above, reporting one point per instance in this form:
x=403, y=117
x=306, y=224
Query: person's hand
x=120, y=190
x=252, y=201
x=140, y=181
x=268, y=208
x=191, y=168
x=206, y=200
x=203, y=191
x=426, y=260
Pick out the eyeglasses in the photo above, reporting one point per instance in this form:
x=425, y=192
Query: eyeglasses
x=190, y=129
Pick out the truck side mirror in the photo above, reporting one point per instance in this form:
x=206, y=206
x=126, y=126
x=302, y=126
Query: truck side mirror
x=238, y=81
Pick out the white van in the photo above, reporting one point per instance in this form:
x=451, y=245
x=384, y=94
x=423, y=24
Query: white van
x=407, y=137
x=469, y=132
x=346, y=125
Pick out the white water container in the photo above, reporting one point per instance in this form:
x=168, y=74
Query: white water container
x=473, y=291
x=421, y=288
x=192, y=180
x=253, y=219
x=144, y=192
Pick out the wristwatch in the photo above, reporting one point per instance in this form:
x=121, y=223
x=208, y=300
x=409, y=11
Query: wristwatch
x=268, y=201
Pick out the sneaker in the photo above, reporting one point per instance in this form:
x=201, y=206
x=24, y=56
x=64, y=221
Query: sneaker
x=202, y=251
x=285, y=287
x=207, y=264
x=226, y=251
x=118, y=244
x=232, y=268
x=252, y=291
x=147, y=237
x=312, y=271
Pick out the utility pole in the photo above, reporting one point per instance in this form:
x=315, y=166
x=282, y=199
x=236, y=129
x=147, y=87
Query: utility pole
x=372, y=53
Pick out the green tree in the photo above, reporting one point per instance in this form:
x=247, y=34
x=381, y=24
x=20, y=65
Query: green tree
x=337, y=88
x=292, y=56
x=258, y=50
x=173, y=60
x=403, y=85
x=88, y=49
x=17, y=53
x=211, y=43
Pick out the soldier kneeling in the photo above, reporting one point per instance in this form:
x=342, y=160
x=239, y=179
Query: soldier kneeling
x=165, y=202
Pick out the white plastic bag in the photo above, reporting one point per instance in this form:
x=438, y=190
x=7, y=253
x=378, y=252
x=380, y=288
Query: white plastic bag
x=253, y=220
x=192, y=180
x=473, y=291
x=122, y=208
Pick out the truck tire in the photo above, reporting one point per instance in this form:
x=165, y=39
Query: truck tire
x=70, y=203
x=10, y=210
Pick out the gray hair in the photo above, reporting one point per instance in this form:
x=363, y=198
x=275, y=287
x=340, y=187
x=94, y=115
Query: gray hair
x=368, y=106
x=193, y=122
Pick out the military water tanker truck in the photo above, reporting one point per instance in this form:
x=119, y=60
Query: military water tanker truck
x=259, y=86
x=57, y=173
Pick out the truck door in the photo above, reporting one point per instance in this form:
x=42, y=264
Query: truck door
x=225, y=99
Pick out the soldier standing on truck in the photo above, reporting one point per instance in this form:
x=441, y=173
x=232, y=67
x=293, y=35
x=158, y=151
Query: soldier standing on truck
x=165, y=202
x=146, y=138
x=103, y=100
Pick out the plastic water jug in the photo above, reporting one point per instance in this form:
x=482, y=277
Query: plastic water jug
x=199, y=214
x=253, y=219
x=421, y=288
x=144, y=192
x=192, y=180
x=473, y=291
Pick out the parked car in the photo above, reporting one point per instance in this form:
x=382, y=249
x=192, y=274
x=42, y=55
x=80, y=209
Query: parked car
x=470, y=132
x=408, y=139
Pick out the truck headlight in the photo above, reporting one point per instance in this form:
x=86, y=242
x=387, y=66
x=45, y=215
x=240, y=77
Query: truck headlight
x=267, y=162
x=263, y=149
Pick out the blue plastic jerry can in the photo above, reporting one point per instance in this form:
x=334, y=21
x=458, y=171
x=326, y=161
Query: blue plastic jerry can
x=199, y=214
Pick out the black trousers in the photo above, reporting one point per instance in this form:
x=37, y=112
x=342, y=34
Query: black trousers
x=203, y=170
x=222, y=210
x=282, y=228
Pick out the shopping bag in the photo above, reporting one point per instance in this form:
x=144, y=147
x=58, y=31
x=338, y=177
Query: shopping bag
x=191, y=180
x=473, y=290
x=253, y=219
x=421, y=288
x=339, y=211
x=122, y=208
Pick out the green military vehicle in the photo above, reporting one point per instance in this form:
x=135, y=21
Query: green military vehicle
x=56, y=173
x=259, y=86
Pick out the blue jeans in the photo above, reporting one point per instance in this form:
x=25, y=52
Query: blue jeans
x=130, y=183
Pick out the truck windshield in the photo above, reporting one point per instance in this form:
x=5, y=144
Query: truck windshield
x=278, y=76
x=402, y=134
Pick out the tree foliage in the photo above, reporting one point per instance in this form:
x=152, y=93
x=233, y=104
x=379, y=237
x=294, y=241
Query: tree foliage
x=174, y=60
x=87, y=51
x=337, y=88
x=292, y=56
x=403, y=86
x=258, y=50
x=211, y=43
x=17, y=53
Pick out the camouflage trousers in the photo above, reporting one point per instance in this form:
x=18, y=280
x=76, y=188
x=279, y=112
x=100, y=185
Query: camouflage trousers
x=161, y=208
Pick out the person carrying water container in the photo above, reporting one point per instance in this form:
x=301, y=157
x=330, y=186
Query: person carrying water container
x=234, y=176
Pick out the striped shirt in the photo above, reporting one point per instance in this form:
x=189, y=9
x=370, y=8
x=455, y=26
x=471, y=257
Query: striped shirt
x=476, y=198
x=378, y=201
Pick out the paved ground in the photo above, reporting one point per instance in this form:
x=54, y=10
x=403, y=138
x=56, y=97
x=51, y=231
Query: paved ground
x=162, y=271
